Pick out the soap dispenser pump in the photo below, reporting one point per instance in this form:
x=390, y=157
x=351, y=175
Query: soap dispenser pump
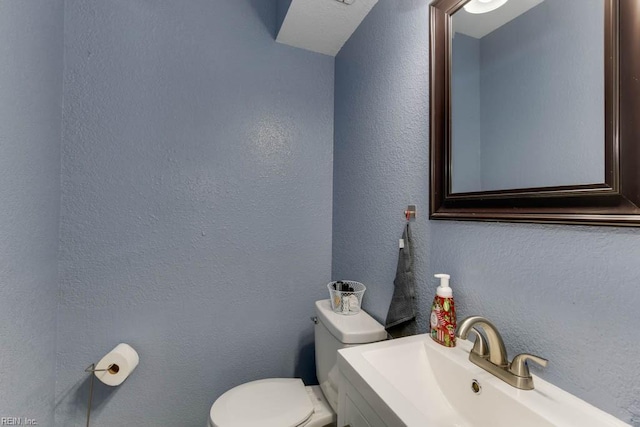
x=443, y=314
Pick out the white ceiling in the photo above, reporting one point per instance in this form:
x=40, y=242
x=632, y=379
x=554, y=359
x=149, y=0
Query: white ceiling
x=322, y=26
x=479, y=25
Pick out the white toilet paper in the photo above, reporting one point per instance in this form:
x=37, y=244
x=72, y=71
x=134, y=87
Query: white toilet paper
x=119, y=363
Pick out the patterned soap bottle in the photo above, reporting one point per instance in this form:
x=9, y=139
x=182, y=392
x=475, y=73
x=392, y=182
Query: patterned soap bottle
x=443, y=314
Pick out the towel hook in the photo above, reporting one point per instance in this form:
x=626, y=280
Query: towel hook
x=410, y=212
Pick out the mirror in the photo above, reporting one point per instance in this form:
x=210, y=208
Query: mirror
x=533, y=111
x=527, y=95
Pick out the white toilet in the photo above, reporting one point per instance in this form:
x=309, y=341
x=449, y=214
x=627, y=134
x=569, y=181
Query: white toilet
x=286, y=402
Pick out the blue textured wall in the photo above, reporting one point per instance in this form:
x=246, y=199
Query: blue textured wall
x=196, y=204
x=380, y=149
x=568, y=293
x=30, y=113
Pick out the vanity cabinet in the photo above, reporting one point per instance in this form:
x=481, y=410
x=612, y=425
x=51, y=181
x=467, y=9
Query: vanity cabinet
x=353, y=410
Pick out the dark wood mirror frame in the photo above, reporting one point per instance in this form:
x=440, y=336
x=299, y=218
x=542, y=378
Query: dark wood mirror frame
x=614, y=202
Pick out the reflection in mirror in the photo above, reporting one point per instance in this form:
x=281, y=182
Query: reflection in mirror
x=527, y=95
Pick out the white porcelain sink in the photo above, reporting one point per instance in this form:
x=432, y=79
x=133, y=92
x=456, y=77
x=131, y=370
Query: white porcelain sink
x=415, y=382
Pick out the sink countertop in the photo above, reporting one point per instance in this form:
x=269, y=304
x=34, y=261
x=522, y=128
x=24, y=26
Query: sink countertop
x=414, y=381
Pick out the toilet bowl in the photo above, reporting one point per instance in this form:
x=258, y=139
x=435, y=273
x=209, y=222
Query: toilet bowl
x=283, y=402
x=286, y=402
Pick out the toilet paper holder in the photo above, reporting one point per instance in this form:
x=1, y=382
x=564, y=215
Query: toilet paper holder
x=113, y=368
x=91, y=369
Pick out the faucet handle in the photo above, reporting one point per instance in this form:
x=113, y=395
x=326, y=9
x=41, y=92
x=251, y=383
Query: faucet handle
x=480, y=346
x=519, y=364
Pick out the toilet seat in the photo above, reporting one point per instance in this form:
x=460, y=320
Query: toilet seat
x=273, y=402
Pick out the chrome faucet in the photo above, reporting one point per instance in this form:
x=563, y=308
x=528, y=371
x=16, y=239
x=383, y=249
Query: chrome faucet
x=491, y=355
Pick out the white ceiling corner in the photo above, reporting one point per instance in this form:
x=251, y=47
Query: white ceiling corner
x=322, y=26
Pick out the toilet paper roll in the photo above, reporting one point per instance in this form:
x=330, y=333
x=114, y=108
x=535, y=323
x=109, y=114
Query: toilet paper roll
x=119, y=363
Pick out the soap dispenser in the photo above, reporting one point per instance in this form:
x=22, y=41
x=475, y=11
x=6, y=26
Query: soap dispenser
x=443, y=314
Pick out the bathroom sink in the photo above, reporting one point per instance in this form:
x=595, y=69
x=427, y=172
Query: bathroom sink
x=415, y=382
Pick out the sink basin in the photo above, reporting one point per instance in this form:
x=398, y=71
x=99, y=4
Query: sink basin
x=415, y=382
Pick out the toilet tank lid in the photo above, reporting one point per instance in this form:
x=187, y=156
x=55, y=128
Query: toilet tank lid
x=358, y=328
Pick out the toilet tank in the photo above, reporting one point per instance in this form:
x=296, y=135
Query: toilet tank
x=335, y=331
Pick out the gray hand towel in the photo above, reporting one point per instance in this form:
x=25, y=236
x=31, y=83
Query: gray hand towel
x=401, y=318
